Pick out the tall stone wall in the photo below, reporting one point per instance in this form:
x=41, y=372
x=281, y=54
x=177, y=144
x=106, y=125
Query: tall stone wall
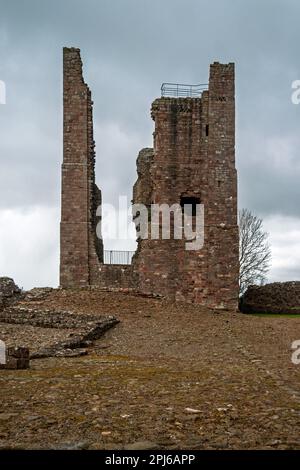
x=221, y=218
x=80, y=250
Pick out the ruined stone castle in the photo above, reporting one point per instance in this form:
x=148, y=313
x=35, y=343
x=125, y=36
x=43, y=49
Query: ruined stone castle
x=192, y=160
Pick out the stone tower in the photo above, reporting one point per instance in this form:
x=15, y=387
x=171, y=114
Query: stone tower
x=193, y=160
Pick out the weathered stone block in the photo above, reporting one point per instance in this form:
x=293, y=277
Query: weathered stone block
x=16, y=358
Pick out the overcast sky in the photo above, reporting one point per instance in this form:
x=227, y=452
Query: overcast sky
x=129, y=47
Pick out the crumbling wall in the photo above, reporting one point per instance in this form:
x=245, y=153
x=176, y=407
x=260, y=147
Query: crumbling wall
x=143, y=187
x=81, y=247
x=194, y=157
x=277, y=298
x=142, y=193
x=80, y=252
x=9, y=292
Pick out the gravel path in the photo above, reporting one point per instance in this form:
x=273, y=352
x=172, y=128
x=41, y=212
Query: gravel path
x=174, y=375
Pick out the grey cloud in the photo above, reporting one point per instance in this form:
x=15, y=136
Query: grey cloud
x=129, y=47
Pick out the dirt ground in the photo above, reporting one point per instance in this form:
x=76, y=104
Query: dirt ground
x=168, y=376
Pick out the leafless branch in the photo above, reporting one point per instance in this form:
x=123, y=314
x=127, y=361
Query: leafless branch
x=255, y=251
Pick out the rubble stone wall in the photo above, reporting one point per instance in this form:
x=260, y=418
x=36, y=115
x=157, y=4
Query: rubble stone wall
x=9, y=292
x=276, y=298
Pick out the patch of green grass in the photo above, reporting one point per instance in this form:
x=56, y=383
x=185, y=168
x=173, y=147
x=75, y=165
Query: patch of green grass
x=285, y=315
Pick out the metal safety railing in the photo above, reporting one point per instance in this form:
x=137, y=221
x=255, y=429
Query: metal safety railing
x=117, y=257
x=180, y=90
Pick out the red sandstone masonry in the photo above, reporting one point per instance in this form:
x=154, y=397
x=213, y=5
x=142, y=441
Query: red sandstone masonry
x=193, y=156
x=188, y=162
x=80, y=252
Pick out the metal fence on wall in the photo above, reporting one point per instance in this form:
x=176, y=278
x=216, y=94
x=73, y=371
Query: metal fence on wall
x=181, y=90
x=118, y=257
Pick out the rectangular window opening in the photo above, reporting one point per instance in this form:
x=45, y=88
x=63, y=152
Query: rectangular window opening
x=189, y=205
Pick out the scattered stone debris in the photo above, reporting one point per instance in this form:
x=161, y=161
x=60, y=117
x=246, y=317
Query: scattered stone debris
x=88, y=328
x=38, y=293
x=192, y=410
x=277, y=298
x=27, y=309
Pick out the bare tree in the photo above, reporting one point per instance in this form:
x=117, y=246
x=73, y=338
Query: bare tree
x=255, y=251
